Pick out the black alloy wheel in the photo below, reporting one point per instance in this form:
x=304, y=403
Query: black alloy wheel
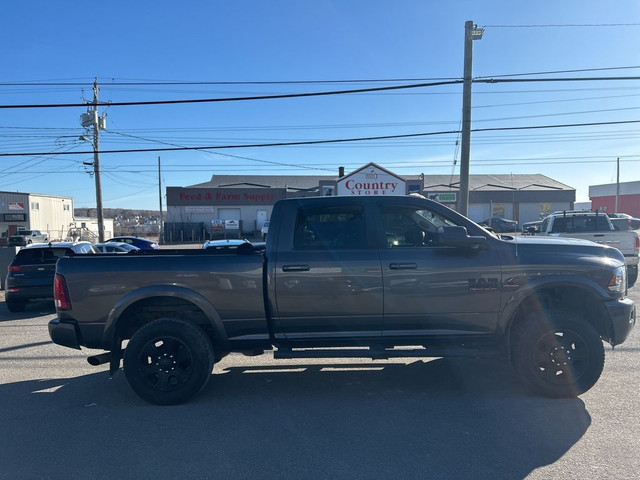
x=558, y=355
x=168, y=361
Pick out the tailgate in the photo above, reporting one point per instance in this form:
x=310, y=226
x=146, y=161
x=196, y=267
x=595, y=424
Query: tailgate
x=33, y=275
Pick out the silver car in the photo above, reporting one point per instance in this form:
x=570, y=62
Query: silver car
x=116, y=247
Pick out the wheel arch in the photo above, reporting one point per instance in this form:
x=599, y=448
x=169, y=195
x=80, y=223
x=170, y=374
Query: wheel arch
x=582, y=298
x=146, y=304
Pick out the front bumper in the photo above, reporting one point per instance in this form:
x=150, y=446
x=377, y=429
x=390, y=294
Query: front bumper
x=623, y=319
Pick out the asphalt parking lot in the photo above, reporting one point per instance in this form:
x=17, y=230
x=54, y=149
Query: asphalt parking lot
x=261, y=418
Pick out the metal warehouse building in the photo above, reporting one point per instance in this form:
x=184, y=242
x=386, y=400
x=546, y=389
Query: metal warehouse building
x=603, y=197
x=238, y=205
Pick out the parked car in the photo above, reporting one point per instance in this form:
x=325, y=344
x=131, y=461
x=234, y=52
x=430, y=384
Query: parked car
x=27, y=237
x=264, y=230
x=623, y=221
x=501, y=225
x=141, y=243
x=116, y=247
x=231, y=245
x=531, y=228
x=30, y=274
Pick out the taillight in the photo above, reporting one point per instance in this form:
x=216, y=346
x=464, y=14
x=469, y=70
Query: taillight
x=14, y=268
x=61, y=293
x=637, y=243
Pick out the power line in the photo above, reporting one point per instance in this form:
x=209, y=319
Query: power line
x=556, y=72
x=236, y=99
x=218, y=153
x=320, y=142
x=562, y=25
x=324, y=93
x=287, y=82
x=223, y=83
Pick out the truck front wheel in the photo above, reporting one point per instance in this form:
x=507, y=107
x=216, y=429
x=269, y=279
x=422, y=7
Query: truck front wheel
x=558, y=355
x=168, y=361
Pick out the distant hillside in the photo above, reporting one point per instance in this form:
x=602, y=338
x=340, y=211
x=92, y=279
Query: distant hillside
x=116, y=213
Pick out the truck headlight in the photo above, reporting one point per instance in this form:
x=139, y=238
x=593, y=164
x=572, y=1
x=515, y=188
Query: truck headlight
x=618, y=282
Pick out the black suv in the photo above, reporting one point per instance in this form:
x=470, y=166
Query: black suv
x=31, y=272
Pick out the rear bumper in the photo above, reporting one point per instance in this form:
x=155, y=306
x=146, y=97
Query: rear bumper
x=623, y=319
x=22, y=293
x=64, y=333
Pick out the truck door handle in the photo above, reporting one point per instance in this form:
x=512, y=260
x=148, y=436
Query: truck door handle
x=296, y=268
x=403, y=266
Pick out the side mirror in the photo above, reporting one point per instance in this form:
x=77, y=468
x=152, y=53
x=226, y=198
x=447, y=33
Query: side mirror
x=458, y=237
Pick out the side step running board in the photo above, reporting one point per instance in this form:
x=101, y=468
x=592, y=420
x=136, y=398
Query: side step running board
x=382, y=353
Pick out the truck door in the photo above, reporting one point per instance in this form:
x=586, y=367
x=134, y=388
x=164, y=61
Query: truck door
x=328, y=282
x=430, y=289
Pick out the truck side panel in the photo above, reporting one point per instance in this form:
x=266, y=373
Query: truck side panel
x=231, y=283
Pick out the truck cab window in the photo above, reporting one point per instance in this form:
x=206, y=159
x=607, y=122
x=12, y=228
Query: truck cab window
x=412, y=227
x=335, y=227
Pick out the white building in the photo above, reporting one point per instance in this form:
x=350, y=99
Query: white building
x=33, y=211
x=50, y=214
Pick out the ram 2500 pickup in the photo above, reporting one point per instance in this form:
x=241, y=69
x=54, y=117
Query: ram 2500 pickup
x=378, y=277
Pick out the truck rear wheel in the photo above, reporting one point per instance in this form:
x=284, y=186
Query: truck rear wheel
x=558, y=355
x=168, y=361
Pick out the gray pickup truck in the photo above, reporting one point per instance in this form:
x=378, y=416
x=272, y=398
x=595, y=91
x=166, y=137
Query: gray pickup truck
x=372, y=277
x=27, y=237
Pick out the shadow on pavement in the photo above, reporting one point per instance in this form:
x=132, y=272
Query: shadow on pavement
x=34, y=308
x=438, y=419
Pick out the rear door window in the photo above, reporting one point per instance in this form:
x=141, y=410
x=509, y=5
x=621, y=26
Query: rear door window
x=331, y=227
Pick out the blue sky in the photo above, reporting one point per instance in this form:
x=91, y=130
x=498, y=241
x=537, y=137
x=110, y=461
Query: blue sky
x=67, y=45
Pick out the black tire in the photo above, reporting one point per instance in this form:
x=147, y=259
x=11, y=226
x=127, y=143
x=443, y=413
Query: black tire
x=632, y=276
x=15, y=307
x=558, y=355
x=168, y=361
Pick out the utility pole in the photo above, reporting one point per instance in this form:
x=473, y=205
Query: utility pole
x=471, y=33
x=160, y=199
x=96, y=162
x=617, y=184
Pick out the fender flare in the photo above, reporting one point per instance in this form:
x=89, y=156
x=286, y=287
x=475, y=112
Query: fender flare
x=531, y=288
x=183, y=293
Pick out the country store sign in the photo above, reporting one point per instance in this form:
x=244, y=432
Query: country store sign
x=371, y=180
